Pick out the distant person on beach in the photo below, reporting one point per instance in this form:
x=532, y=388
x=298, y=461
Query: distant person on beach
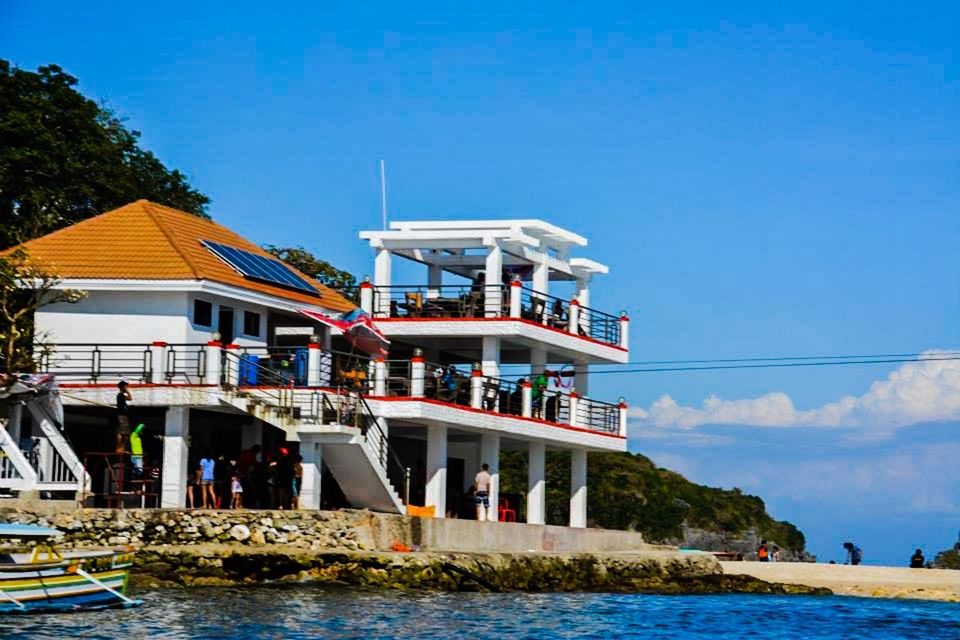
x=123, y=415
x=775, y=555
x=763, y=553
x=481, y=491
x=917, y=561
x=854, y=553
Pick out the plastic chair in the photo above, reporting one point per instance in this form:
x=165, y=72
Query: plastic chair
x=504, y=512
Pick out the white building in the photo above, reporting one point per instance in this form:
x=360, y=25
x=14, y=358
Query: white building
x=220, y=348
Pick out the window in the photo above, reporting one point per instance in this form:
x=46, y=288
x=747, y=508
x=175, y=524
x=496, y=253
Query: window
x=251, y=323
x=203, y=313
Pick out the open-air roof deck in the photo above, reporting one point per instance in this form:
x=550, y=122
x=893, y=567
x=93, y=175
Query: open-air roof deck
x=503, y=272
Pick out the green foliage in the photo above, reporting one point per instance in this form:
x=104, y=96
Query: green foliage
x=948, y=559
x=627, y=491
x=64, y=158
x=313, y=266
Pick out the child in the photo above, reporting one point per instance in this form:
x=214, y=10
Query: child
x=236, y=488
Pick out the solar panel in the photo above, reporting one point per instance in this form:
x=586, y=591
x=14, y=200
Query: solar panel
x=258, y=267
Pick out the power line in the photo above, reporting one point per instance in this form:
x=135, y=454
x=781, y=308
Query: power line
x=769, y=365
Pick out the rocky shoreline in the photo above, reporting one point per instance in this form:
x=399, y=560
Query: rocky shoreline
x=661, y=572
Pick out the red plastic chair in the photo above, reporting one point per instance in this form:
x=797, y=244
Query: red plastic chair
x=504, y=512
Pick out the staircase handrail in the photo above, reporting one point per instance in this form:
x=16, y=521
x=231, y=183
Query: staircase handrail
x=386, y=452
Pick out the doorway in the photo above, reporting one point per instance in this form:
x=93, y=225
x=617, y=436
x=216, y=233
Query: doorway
x=225, y=325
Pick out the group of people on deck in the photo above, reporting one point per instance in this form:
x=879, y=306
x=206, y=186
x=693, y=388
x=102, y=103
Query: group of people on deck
x=257, y=480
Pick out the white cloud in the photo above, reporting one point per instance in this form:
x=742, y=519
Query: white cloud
x=927, y=391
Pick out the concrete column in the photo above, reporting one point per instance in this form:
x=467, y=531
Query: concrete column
x=14, y=417
x=516, y=298
x=541, y=278
x=379, y=376
x=476, y=388
x=538, y=360
x=578, y=488
x=573, y=318
x=434, y=280
x=436, y=492
x=492, y=291
x=418, y=372
x=312, y=452
x=490, y=454
x=158, y=362
x=366, y=297
x=526, y=398
x=583, y=296
x=537, y=484
x=176, y=436
x=382, y=279
x=490, y=360
x=624, y=414
x=213, y=364
x=574, y=398
x=624, y=331
x=314, y=361
x=581, y=378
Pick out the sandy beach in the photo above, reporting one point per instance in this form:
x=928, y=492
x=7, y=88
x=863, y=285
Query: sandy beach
x=876, y=582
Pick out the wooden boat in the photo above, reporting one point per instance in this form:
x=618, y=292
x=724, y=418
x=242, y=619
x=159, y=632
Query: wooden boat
x=47, y=580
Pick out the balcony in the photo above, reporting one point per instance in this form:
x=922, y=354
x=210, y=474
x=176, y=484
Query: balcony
x=419, y=303
x=292, y=369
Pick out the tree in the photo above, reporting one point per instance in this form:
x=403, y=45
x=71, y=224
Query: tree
x=64, y=158
x=314, y=267
x=24, y=288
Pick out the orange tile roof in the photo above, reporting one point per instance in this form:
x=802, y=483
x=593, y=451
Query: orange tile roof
x=147, y=241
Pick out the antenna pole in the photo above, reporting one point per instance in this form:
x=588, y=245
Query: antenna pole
x=383, y=194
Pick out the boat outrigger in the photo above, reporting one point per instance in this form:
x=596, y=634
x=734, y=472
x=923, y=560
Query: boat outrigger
x=48, y=580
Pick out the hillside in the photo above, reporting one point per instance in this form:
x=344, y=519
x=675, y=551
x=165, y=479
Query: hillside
x=628, y=491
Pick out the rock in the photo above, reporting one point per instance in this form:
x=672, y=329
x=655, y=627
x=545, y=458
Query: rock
x=257, y=537
x=240, y=532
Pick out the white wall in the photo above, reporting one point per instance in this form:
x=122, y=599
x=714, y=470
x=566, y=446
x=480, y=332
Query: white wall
x=200, y=333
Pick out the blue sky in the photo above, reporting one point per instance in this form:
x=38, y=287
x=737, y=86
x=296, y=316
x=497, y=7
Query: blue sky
x=763, y=180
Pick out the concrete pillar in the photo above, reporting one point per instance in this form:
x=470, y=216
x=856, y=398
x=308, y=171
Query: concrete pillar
x=574, y=399
x=573, y=318
x=583, y=296
x=436, y=493
x=537, y=484
x=581, y=378
x=14, y=417
x=624, y=414
x=312, y=452
x=493, y=294
x=158, y=362
x=382, y=280
x=418, y=373
x=176, y=436
x=578, y=488
x=490, y=454
x=490, y=360
x=434, y=281
x=624, y=330
x=379, y=376
x=516, y=298
x=526, y=398
x=366, y=297
x=314, y=364
x=476, y=388
x=213, y=364
x=538, y=360
x=541, y=278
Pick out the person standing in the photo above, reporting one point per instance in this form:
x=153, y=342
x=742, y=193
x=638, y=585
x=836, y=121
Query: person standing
x=763, y=552
x=481, y=492
x=236, y=491
x=123, y=415
x=854, y=553
x=136, y=451
x=917, y=561
x=207, y=466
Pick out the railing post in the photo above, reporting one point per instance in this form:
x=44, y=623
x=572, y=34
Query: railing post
x=418, y=373
x=574, y=409
x=624, y=330
x=526, y=407
x=366, y=297
x=379, y=376
x=158, y=362
x=622, y=405
x=314, y=364
x=233, y=365
x=211, y=375
x=476, y=387
x=573, y=317
x=516, y=298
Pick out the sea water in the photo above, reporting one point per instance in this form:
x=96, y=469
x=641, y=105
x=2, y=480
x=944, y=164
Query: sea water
x=307, y=612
